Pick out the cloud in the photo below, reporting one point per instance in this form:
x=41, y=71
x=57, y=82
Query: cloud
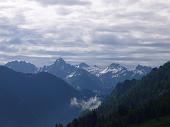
x=63, y=2
x=98, y=31
x=91, y=104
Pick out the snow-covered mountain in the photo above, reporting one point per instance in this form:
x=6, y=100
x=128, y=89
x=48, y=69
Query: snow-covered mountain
x=95, y=70
x=115, y=73
x=76, y=76
x=114, y=69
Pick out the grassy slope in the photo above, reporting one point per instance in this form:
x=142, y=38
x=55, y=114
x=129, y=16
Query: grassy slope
x=161, y=122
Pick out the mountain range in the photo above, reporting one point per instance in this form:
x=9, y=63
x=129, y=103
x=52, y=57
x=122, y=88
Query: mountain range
x=134, y=103
x=94, y=79
x=115, y=73
x=41, y=97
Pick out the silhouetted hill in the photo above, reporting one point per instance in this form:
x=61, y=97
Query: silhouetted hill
x=34, y=100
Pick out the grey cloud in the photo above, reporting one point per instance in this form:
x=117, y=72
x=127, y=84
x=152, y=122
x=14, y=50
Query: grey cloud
x=17, y=36
x=7, y=48
x=106, y=38
x=90, y=34
x=63, y=2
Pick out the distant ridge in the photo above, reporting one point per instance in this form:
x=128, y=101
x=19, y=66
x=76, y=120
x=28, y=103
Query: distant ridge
x=22, y=66
x=83, y=77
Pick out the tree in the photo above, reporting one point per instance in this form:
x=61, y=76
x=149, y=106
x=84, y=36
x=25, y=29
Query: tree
x=59, y=125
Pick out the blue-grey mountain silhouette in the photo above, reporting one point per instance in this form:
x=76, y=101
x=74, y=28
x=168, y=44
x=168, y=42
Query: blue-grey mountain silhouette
x=34, y=100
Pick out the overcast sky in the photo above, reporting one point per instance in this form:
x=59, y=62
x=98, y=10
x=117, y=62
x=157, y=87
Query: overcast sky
x=92, y=31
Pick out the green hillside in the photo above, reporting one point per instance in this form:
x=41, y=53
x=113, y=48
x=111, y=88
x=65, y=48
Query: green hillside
x=161, y=122
x=133, y=103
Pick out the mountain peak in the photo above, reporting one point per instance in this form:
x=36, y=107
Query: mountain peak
x=22, y=66
x=114, y=69
x=16, y=61
x=141, y=67
x=114, y=65
x=60, y=60
x=83, y=65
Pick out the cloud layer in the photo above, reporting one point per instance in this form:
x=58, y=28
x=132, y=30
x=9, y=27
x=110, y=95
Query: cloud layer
x=63, y=2
x=92, y=31
x=91, y=104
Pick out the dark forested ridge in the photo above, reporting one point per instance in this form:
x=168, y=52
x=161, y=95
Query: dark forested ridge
x=133, y=102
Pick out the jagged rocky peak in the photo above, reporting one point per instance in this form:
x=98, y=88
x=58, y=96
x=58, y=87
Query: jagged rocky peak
x=60, y=61
x=83, y=65
x=143, y=68
x=116, y=66
x=17, y=61
x=113, y=68
x=95, y=66
x=22, y=66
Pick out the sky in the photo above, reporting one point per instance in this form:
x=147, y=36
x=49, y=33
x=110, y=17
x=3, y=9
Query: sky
x=101, y=32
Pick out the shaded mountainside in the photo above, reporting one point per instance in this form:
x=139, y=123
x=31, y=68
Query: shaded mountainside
x=22, y=66
x=133, y=102
x=34, y=100
x=76, y=77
